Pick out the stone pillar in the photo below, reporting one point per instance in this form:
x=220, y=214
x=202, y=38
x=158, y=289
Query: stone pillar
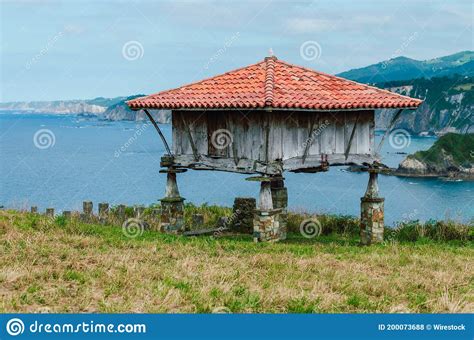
x=34, y=210
x=197, y=220
x=103, y=212
x=121, y=212
x=139, y=210
x=243, y=210
x=49, y=212
x=67, y=214
x=280, y=201
x=87, y=207
x=266, y=222
x=172, y=205
x=372, y=212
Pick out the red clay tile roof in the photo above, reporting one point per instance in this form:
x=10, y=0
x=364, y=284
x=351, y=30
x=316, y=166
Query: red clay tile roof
x=273, y=83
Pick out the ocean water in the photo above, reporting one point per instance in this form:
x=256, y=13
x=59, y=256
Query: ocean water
x=73, y=159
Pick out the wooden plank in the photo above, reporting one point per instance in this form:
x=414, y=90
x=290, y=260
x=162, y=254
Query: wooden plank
x=363, y=133
x=339, y=121
x=352, y=136
x=190, y=137
x=328, y=135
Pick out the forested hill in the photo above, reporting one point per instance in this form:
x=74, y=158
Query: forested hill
x=403, y=68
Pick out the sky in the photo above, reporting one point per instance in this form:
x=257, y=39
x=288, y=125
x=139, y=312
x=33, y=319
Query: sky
x=58, y=50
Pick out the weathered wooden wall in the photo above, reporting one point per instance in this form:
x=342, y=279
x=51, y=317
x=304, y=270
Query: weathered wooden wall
x=270, y=142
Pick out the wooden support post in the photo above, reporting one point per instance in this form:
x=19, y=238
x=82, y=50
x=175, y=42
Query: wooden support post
x=348, y=149
x=372, y=212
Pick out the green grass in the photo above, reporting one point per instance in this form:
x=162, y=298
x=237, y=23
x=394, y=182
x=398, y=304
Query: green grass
x=69, y=266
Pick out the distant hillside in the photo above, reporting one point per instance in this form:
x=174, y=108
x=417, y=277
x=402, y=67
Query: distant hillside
x=403, y=68
x=448, y=105
x=87, y=106
x=121, y=111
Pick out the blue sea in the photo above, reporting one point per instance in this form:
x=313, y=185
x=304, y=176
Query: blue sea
x=60, y=161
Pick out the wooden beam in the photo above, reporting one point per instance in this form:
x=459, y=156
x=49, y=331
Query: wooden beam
x=309, y=141
x=389, y=128
x=190, y=136
x=348, y=149
x=157, y=128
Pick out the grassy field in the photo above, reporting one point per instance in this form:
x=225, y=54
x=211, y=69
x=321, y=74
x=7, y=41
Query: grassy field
x=58, y=266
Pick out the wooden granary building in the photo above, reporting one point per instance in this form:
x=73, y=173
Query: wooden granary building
x=268, y=118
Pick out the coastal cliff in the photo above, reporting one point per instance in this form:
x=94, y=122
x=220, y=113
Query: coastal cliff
x=448, y=106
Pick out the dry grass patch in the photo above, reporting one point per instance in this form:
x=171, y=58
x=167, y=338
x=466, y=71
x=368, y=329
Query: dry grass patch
x=46, y=267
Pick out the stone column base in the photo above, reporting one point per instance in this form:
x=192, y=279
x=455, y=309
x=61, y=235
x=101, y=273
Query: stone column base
x=371, y=220
x=172, y=215
x=267, y=226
